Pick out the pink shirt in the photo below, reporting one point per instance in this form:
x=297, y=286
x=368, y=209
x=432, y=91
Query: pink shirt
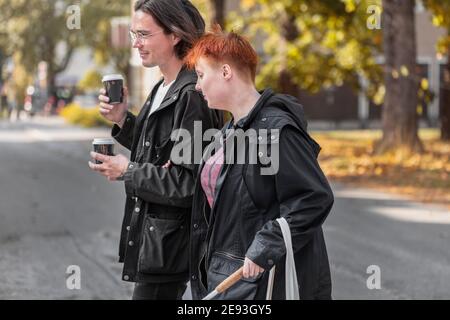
x=210, y=174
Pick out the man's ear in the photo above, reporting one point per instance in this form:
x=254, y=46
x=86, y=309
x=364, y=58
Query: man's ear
x=226, y=71
x=175, y=39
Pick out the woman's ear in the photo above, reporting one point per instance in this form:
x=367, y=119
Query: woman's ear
x=226, y=71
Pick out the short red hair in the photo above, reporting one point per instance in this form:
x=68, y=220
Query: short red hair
x=224, y=47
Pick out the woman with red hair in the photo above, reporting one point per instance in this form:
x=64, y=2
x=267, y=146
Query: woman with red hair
x=236, y=204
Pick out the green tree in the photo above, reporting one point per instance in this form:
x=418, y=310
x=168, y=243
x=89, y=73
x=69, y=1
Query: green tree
x=35, y=29
x=3, y=55
x=325, y=35
x=96, y=30
x=441, y=18
x=313, y=45
x=213, y=11
x=38, y=29
x=4, y=48
x=92, y=80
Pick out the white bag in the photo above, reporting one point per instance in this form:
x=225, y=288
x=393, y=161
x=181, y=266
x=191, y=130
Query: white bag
x=291, y=274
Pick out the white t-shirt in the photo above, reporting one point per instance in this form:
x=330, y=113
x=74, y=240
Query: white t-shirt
x=159, y=96
x=157, y=100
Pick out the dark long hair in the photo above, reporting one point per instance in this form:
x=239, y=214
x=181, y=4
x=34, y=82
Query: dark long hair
x=179, y=17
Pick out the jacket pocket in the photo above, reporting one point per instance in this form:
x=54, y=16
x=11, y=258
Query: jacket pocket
x=223, y=265
x=164, y=246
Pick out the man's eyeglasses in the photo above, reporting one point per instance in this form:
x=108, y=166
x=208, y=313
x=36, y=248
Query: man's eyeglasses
x=141, y=35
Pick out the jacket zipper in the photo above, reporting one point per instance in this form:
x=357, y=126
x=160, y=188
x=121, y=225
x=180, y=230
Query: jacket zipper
x=222, y=253
x=216, y=195
x=230, y=255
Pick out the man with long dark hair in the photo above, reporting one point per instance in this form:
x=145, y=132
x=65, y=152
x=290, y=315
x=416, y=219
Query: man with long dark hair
x=155, y=231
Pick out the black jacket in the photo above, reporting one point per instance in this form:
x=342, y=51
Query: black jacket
x=247, y=203
x=155, y=230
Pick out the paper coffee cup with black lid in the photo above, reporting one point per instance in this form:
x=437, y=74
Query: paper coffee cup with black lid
x=104, y=146
x=114, y=87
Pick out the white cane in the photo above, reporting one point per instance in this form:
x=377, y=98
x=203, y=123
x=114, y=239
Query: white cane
x=225, y=284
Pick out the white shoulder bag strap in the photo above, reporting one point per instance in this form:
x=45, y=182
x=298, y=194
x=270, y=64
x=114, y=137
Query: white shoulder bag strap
x=291, y=274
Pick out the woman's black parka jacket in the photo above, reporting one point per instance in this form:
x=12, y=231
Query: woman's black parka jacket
x=247, y=202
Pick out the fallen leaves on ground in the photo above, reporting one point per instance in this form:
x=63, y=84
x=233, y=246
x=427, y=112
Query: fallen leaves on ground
x=347, y=156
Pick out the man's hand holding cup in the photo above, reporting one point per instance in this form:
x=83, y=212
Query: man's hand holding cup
x=112, y=167
x=113, y=99
x=113, y=106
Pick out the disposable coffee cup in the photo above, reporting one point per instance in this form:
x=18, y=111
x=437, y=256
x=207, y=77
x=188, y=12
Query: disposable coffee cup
x=104, y=146
x=114, y=88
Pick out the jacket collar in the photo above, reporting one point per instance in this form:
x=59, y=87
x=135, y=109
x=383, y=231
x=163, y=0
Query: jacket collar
x=185, y=77
x=244, y=122
x=265, y=96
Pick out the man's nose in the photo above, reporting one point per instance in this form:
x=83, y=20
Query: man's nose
x=137, y=44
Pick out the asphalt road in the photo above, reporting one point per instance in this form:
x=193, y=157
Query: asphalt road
x=55, y=213
x=409, y=243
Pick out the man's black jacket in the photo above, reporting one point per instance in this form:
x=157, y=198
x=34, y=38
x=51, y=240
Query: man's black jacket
x=155, y=230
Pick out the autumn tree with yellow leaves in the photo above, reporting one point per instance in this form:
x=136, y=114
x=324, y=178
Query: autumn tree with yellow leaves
x=313, y=45
x=441, y=18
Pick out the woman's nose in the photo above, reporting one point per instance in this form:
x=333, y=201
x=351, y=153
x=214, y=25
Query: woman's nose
x=197, y=87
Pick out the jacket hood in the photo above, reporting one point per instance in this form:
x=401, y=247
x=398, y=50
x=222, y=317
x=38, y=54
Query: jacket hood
x=289, y=105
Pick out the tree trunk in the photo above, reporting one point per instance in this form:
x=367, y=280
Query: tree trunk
x=289, y=34
x=51, y=88
x=399, y=116
x=218, y=17
x=218, y=14
x=287, y=85
x=53, y=69
x=2, y=61
x=444, y=113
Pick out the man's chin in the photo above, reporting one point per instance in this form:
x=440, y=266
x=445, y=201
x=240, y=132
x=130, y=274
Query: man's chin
x=148, y=64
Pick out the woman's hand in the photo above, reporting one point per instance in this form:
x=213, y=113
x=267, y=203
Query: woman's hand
x=115, y=113
x=251, y=269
